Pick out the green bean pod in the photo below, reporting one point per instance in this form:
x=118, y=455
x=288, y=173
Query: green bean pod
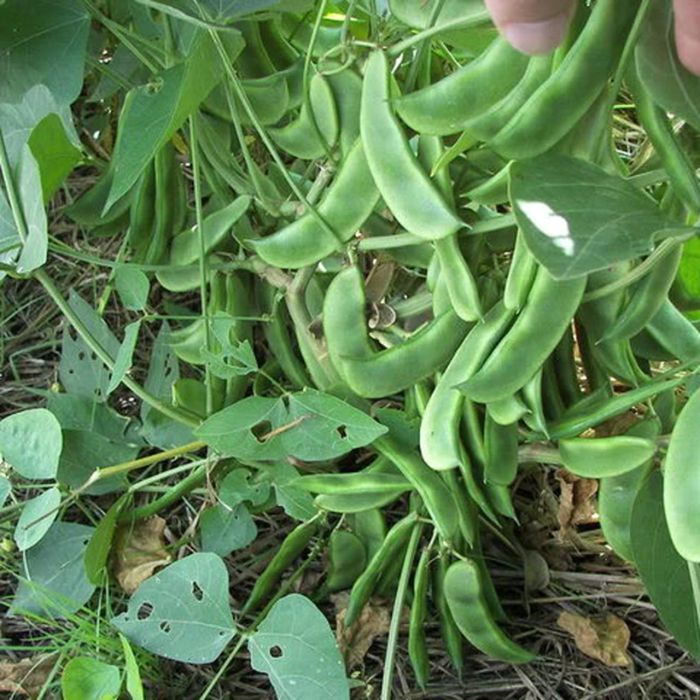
x=532, y=397
x=466, y=512
x=675, y=333
x=407, y=190
x=370, y=526
x=509, y=410
x=315, y=130
x=346, y=561
x=501, y=443
x=346, y=206
x=682, y=482
x=347, y=90
x=593, y=458
x=521, y=275
x=440, y=442
x=616, y=495
x=465, y=598
x=292, y=546
x=646, y=298
x=545, y=119
x=500, y=498
x=365, y=585
x=417, y=648
x=353, y=483
x=449, y=631
x=437, y=498
x=448, y=106
x=543, y=321
x=460, y=282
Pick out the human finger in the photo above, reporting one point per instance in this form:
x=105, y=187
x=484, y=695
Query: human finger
x=688, y=33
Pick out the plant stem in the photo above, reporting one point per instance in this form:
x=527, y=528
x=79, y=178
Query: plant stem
x=393, y=639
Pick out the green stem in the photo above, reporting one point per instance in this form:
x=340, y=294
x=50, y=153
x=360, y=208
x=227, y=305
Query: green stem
x=199, y=218
x=178, y=415
x=393, y=639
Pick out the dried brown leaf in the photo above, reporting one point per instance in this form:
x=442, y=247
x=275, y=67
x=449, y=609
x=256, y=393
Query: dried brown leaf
x=25, y=677
x=139, y=550
x=577, y=505
x=604, y=638
x=355, y=641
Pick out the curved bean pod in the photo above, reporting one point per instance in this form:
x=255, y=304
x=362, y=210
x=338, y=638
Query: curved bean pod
x=593, y=458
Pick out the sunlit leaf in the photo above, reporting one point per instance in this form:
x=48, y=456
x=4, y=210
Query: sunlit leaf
x=31, y=442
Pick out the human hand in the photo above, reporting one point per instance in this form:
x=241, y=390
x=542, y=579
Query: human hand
x=538, y=26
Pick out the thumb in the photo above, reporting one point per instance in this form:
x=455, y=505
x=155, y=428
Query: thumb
x=688, y=33
x=533, y=26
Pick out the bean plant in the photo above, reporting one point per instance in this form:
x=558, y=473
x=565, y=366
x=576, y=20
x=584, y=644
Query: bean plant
x=382, y=267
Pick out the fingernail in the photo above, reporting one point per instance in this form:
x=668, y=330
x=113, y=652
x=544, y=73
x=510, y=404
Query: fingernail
x=537, y=37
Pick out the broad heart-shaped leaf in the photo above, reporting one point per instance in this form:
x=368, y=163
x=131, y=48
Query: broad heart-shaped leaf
x=664, y=572
x=671, y=85
x=152, y=113
x=183, y=611
x=85, y=678
x=36, y=518
x=577, y=218
x=132, y=286
x=35, y=247
x=122, y=362
x=315, y=426
x=31, y=443
x=295, y=647
x=54, y=581
x=224, y=530
x=45, y=45
x=80, y=370
x=55, y=154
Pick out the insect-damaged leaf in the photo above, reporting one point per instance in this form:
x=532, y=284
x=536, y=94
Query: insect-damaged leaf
x=182, y=612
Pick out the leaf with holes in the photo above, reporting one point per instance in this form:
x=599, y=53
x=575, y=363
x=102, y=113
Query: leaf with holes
x=224, y=530
x=233, y=359
x=80, y=370
x=243, y=430
x=297, y=503
x=132, y=286
x=38, y=514
x=295, y=647
x=236, y=487
x=122, y=362
x=577, y=218
x=31, y=443
x=46, y=45
x=85, y=678
x=54, y=580
x=326, y=427
x=182, y=612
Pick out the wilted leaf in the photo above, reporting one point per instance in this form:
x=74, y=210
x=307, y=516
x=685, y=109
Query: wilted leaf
x=577, y=504
x=27, y=676
x=604, y=638
x=138, y=551
x=354, y=642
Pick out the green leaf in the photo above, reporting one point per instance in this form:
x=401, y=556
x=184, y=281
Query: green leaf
x=122, y=362
x=5, y=488
x=38, y=514
x=234, y=359
x=53, y=579
x=163, y=369
x=10, y=243
x=80, y=370
x=132, y=286
x=55, y=154
x=45, y=45
x=236, y=488
x=36, y=244
x=664, y=572
x=152, y=113
x=328, y=427
x=577, y=218
x=100, y=545
x=297, y=503
x=224, y=530
x=183, y=611
x=85, y=451
x=671, y=85
x=133, y=676
x=85, y=678
x=295, y=647
x=31, y=443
